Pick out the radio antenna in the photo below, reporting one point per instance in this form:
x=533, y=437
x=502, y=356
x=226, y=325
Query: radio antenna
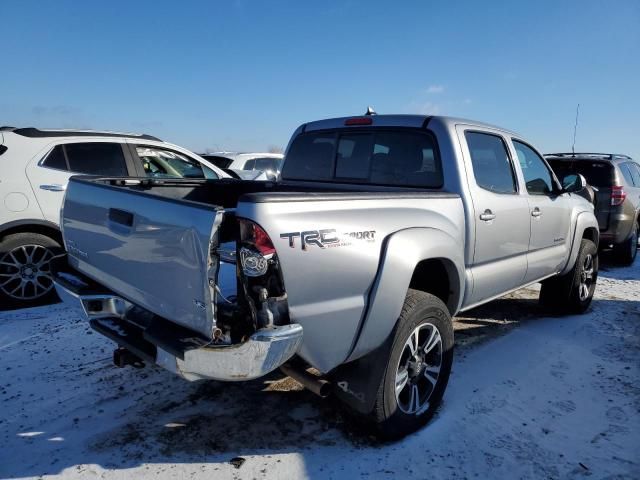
x=575, y=129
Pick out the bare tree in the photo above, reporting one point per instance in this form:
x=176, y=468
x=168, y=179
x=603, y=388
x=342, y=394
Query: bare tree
x=274, y=149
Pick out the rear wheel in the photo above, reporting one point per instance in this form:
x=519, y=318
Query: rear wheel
x=627, y=251
x=573, y=292
x=418, y=368
x=25, y=275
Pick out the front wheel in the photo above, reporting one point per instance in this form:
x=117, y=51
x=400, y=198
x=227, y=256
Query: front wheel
x=573, y=291
x=418, y=368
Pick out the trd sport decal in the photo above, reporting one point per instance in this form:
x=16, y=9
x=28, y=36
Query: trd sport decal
x=327, y=238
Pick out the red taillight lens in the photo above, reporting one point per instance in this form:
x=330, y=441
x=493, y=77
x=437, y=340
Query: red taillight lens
x=253, y=234
x=262, y=241
x=358, y=121
x=617, y=195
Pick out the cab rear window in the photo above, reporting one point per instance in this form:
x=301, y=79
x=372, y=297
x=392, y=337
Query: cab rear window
x=378, y=157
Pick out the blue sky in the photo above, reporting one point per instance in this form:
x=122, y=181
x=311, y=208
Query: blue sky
x=243, y=74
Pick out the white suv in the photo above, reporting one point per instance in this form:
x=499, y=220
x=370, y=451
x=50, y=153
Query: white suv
x=35, y=166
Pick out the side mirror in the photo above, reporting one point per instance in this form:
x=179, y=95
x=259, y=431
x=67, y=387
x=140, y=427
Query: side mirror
x=573, y=183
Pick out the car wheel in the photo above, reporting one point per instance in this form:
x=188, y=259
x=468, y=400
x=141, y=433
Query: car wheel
x=25, y=275
x=573, y=292
x=627, y=251
x=418, y=368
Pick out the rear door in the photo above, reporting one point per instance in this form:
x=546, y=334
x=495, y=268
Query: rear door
x=50, y=173
x=500, y=215
x=549, y=214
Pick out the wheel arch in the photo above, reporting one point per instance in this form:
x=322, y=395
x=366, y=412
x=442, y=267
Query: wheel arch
x=425, y=259
x=586, y=227
x=43, y=227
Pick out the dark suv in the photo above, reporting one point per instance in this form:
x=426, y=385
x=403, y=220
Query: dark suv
x=616, y=179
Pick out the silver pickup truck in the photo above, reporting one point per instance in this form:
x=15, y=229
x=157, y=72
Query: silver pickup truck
x=345, y=274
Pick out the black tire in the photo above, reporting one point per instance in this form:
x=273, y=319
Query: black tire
x=421, y=312
x=627, y=251
x=573, y=291
x=25, y=279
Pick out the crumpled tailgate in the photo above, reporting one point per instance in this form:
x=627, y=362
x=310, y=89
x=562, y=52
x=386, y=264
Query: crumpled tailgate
x=151, y=250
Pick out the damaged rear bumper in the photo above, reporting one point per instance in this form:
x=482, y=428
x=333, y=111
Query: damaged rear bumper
x=171, y=346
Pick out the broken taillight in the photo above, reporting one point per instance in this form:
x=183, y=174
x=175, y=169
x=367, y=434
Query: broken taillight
x=256, y=248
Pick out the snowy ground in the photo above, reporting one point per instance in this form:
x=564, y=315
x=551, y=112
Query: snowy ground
x=530, y=397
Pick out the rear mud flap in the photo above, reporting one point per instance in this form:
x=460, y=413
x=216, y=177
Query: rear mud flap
x=356, y=383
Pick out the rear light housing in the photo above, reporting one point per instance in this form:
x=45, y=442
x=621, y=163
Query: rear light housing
x=618, y=195
x=256, y=249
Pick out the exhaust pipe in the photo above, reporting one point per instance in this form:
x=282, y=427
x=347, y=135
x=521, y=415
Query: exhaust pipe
x=313, y=383
x=123, y=357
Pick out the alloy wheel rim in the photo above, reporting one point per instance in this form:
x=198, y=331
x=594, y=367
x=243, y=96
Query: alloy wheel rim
x=25, y=272
x=586, y=277
x=418, y=369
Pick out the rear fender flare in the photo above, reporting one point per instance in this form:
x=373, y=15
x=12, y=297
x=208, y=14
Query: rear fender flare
x=403, y=251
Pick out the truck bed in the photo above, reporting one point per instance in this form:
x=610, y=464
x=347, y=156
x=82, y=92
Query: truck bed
x=158, y=244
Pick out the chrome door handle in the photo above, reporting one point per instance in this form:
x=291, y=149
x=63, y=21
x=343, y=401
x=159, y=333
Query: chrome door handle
x=536, y=212
x=53, y=188
x=487, y=216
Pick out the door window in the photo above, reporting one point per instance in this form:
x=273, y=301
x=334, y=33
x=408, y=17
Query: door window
x=158, y=162
x=96, y=159
x=537, y=176
x=491, y=163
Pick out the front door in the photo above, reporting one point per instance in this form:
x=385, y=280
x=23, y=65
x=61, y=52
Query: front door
x=550, y=215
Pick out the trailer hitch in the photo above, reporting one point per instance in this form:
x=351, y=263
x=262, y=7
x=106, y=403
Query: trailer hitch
x=123, y=357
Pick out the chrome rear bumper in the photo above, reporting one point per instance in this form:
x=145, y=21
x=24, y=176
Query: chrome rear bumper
x=181, y=351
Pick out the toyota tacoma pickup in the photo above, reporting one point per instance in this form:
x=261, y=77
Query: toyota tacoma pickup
x=346, y=274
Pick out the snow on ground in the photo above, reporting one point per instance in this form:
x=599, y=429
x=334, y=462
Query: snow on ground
x=530, y=397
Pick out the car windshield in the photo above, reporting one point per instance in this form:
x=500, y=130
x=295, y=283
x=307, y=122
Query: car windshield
x=597, y=174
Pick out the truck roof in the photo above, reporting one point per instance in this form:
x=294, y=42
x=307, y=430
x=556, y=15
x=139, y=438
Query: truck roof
x=397, y=120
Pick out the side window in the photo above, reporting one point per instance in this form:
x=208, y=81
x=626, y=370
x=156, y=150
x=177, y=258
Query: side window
x=56, y=159
x=265, y=164
x=250, y=164
x=491, y=163
x=537, y=175
x=158, y=162
x=96, y=159
x=626, y=169
x=635, y=173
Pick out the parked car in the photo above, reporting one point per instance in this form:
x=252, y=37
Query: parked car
x=269, y=163
x=616, y=179
x=382, y=228
x=35, y=166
